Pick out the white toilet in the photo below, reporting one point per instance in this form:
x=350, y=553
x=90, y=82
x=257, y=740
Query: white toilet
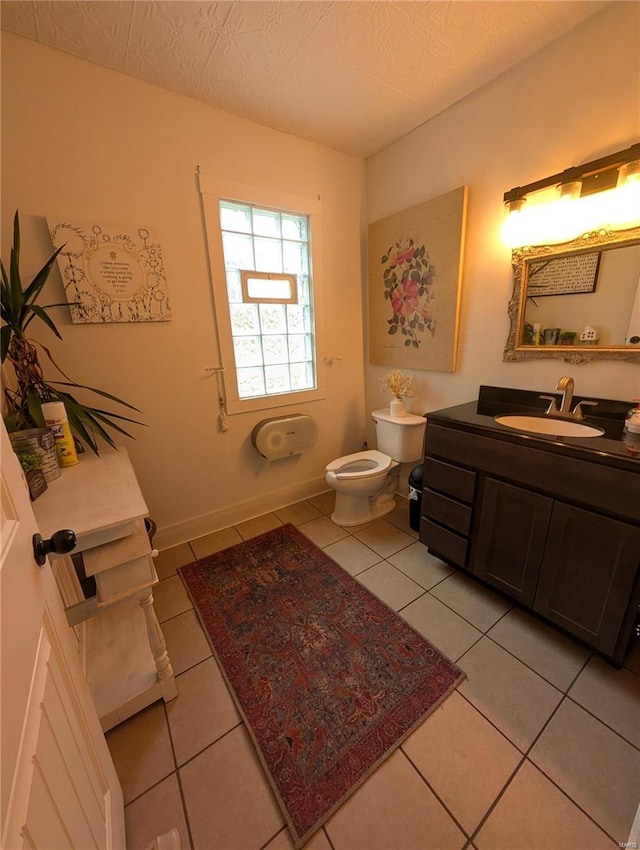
x=365, y=482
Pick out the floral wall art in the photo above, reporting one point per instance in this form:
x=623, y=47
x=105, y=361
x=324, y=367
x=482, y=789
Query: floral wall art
x=415, y=272
x=111, y=273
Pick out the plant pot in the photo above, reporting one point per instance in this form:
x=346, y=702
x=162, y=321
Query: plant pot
x=398, y=407
x=38, y=441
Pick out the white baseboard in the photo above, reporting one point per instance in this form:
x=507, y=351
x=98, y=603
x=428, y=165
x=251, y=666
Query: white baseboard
x=181, y=532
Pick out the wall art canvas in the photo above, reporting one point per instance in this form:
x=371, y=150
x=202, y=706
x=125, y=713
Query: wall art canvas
x=415, y=274
x=111, y=273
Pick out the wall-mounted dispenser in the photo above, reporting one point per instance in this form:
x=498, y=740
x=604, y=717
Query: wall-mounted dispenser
x=285, y=436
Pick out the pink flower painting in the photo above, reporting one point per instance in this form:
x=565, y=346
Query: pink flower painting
x=408, y=284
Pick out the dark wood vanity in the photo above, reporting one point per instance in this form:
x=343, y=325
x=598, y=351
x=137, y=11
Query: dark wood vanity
x=553, y=523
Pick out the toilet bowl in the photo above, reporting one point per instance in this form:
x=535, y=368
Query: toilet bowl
x=361, y=482
x=365, y=482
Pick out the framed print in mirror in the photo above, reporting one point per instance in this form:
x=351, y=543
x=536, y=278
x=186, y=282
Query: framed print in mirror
x=111, y=273
x=571, y=275
x=415, y=273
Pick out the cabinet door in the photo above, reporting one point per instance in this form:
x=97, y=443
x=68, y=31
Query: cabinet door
x=511, y=538
x=588, y=574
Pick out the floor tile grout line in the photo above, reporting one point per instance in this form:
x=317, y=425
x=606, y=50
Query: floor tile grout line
x=482, y=587
x=271, y=838
x=178, y=778
x=327, y=836
x=427, y=589
x=527, y=665
x=575, y=802
x=603, y=722
x=208, y=746
x=526, y=758
x=434, y=792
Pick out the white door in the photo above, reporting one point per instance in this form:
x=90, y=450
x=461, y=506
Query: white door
x=59, y=788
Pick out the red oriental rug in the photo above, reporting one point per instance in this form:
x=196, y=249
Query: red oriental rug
x=328, y=679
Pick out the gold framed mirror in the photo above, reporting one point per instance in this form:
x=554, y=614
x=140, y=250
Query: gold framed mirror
x=577, y=301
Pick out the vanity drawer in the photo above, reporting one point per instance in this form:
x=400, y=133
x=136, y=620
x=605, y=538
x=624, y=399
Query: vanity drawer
x=446, y=511
x=446, y=543
x=447, y=478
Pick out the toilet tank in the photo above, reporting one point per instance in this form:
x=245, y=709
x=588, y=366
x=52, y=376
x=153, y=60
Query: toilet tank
x=400, y=437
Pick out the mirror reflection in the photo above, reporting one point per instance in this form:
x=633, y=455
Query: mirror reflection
x=577, y=301
x=584, y=299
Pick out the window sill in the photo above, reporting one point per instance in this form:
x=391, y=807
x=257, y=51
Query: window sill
x=248, y=405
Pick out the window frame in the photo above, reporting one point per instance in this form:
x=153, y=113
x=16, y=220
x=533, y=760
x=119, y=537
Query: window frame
x=246, y=275
x=213, y=190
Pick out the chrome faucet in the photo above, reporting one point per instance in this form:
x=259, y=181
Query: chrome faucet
x=566, y=385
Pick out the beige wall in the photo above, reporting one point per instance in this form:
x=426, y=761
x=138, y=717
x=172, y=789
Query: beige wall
x=572, y=102
x=79, y=140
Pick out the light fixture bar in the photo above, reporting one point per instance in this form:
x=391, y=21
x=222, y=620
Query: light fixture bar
x=590, y=174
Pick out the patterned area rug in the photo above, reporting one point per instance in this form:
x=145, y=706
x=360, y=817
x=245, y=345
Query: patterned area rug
x=328, y=679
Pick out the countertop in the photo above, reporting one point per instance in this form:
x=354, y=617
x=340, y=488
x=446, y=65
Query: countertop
x=493, y=401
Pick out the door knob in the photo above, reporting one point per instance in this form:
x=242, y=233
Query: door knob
x=60, y=542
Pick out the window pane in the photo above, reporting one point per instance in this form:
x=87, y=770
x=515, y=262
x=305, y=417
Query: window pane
x=244, y=319
x=294, y=227
x=266, y=223
x=275, y=349
x=273, y=318
x=299, y=348
x=268, y=255
x=301, y=376
x=277, y=379
x=234, y=289
x=295, y=319
x=250, y=382
x=238, y=251
x=248, y=350
x=235, y=217
x=295, y=257
x=261, y=287
x=304, y=294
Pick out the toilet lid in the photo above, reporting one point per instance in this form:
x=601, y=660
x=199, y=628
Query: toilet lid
x=360, y=464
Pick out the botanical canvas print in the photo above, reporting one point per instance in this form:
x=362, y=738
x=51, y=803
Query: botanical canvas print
x=415, y=268
x=111, y=273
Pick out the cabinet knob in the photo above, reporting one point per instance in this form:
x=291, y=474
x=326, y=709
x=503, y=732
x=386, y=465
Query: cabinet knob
x=60, y=542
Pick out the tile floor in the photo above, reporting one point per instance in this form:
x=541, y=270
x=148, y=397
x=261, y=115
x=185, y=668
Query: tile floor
x=538, y=749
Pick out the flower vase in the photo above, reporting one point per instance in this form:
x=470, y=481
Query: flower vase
x=398, y=407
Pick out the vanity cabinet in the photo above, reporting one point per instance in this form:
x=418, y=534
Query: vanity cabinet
x=512, y=531
x=558, y=534
x=107, y=584
x=587, y=576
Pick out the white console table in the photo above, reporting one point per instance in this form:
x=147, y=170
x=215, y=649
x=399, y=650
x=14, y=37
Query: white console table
x=118, y=635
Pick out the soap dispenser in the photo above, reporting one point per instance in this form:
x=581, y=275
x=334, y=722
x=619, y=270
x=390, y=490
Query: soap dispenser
x=631, y=434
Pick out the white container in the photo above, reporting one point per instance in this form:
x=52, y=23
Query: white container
x=55, y=415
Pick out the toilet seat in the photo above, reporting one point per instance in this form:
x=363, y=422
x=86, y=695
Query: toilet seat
x=360, y=465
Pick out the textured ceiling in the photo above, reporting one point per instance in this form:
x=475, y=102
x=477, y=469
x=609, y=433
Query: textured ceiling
x=355, y=76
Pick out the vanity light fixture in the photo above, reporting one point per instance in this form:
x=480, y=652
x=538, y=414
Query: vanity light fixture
x=603, y=194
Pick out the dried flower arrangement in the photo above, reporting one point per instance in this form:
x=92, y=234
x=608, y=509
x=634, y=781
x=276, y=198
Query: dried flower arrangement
x=399, y=385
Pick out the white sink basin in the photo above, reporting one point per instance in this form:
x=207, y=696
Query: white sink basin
x=549, y=425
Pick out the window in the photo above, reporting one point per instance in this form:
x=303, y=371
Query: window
x=263, y=275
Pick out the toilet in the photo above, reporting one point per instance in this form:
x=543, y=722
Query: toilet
x=365, y=482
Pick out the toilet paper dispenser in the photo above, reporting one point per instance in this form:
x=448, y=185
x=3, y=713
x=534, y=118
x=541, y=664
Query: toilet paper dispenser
x=285, y=436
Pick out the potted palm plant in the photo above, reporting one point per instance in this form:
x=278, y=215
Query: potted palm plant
x=19, y=308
